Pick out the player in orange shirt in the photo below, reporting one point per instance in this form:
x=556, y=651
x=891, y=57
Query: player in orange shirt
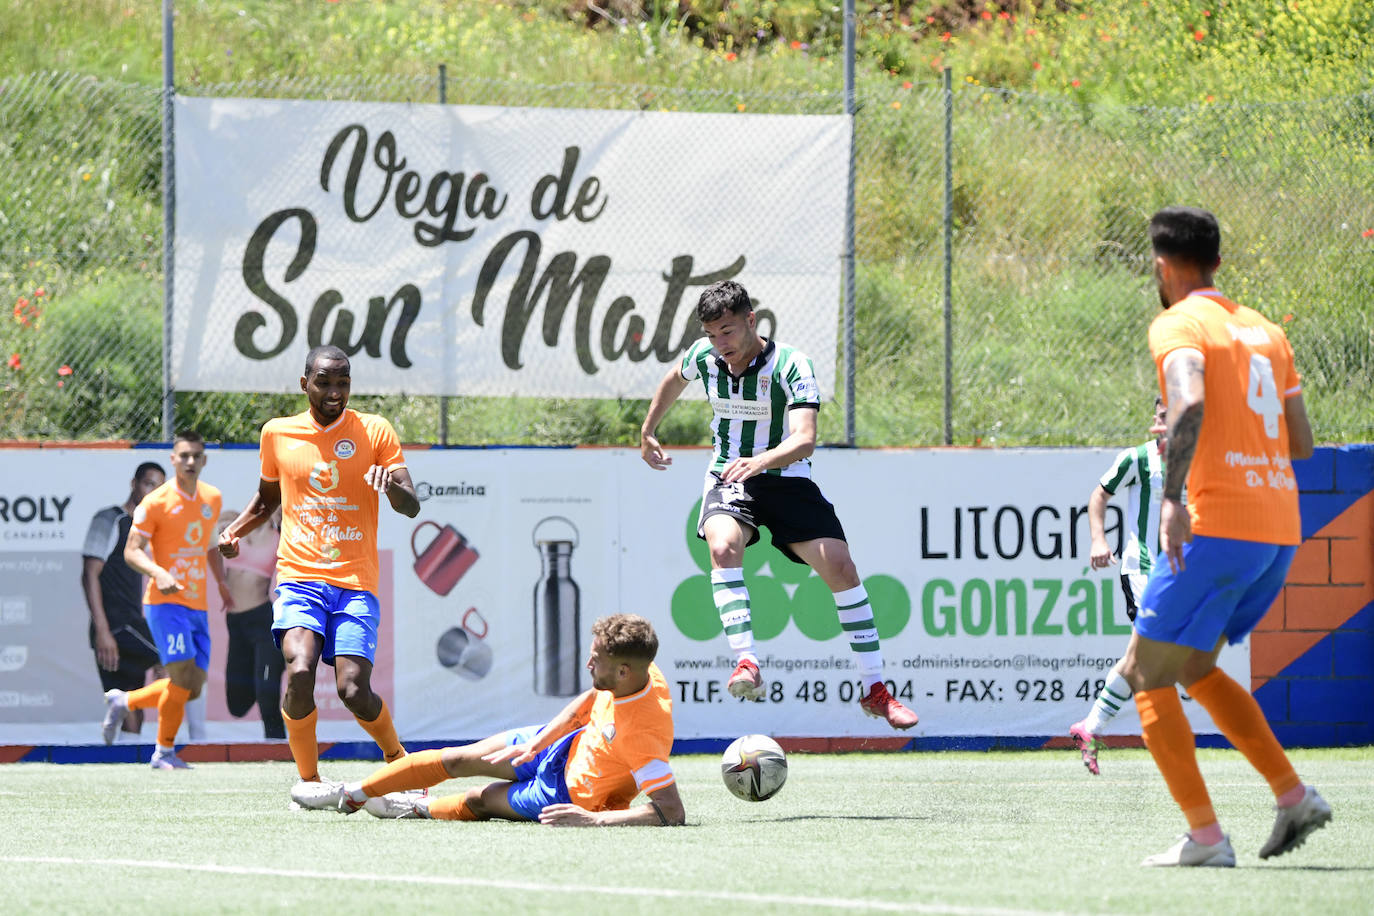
x=582, y=769
x=1235, y=420
x=171, y=542
x=325, y=468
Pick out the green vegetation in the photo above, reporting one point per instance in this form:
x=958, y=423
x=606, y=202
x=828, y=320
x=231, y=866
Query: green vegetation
x=1072, y=121
x=1002, y=832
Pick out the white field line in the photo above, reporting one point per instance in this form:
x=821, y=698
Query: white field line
x=834, y=903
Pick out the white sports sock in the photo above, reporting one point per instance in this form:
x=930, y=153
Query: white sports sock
x=1115, y=694
x=732, y=602
x=195, y=718
x=856, y=619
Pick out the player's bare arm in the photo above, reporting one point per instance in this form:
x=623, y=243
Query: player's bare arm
x=398, y=488
x=1300, y=441
x=258, y=511
x=663, y=810
x=669, y=389
x=1101, y=556
x=136, y=555
x=216, y=564
x=800, y=443
x=106, y=649
x=1184, y=382
x=570, y=717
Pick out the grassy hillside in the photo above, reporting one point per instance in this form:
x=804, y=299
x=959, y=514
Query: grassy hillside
x=1072, y=123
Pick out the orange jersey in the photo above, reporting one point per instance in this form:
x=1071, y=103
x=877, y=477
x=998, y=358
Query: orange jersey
x=1241, y=482
x=180, y=529
x=623, y=750
x=329, y=512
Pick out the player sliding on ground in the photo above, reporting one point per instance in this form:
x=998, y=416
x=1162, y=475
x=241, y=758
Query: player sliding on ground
x=765, y=399
x=582, y=769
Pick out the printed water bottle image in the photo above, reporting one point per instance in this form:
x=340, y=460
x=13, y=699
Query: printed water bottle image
x=557, y=656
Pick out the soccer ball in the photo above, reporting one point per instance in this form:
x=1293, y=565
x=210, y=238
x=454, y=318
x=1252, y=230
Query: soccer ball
x=753, y=768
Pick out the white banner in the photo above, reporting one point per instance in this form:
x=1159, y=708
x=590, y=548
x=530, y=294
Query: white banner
x=976, y=562
x=468, y=250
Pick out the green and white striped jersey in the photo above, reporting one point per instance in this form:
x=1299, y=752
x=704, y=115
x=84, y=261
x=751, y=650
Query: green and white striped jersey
x=1141, y=471
x=751, y=410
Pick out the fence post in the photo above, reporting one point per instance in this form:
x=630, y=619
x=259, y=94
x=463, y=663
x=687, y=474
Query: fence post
x=949, y=259
x=169, y=190
x=848, y=259
x=447, y=325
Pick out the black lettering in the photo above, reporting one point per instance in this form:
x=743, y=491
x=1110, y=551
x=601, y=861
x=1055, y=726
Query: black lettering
x=997, y=532
x=378, y=311
x=978, y=550
x=1056, y=538
x=253, y=277
x=926, y=552
x=559, y=283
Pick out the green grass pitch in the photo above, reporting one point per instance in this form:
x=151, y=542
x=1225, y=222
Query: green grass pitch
x=961, y=833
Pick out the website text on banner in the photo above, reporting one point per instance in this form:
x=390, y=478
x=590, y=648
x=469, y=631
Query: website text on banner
x=462, y=250
x=992, y=621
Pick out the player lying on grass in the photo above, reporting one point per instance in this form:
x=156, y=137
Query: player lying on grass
x=582, y=769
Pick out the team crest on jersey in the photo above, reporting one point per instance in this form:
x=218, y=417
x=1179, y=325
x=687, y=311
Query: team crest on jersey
x=764, y=382
x=324, y=477
x=205, y=511
x=608, y=732
x=344, y=449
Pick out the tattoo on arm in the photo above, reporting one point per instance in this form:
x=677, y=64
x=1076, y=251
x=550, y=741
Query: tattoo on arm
x=1184, y=380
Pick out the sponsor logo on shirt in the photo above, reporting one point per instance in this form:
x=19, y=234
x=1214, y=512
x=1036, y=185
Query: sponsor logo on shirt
x=741, y=410
x=344, y=449
x=806, y=390
x=193, y=533
x=324, y=476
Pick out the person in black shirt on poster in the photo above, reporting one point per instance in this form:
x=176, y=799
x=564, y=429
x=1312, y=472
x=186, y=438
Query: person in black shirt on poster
x=123, y=644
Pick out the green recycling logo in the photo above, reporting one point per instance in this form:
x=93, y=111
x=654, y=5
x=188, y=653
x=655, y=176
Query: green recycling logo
x=779, y=590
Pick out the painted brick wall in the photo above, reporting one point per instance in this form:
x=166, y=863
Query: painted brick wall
x=1312, y=657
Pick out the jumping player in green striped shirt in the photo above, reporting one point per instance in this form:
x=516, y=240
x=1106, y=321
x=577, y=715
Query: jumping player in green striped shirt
x=765, y=400
x=1137, y=472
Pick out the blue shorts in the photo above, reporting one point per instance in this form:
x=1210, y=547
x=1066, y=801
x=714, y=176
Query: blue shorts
x=347, y=619
x=181, y=633
x=1224, y=589
x=541, y=781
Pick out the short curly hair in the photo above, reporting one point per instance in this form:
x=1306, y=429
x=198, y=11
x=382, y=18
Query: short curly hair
x=626, y=636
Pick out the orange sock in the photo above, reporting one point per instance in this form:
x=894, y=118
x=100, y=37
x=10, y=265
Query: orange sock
x=300, y=736
x=146, y=697
x=413, y=771
x=171, y=708
x=1170, y=740
x=450, y=808
x=384, y=733
x=1240, y=719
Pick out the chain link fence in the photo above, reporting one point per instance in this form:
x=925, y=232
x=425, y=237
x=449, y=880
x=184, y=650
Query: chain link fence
x=1052, y=286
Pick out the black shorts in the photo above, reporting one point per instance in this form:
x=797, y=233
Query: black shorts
x=791, y=508
x=137, y=653
x=1130, y=597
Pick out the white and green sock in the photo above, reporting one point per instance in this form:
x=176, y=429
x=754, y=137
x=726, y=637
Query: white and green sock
x=732, y=602
x=1114, y=695
x=856, y=619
